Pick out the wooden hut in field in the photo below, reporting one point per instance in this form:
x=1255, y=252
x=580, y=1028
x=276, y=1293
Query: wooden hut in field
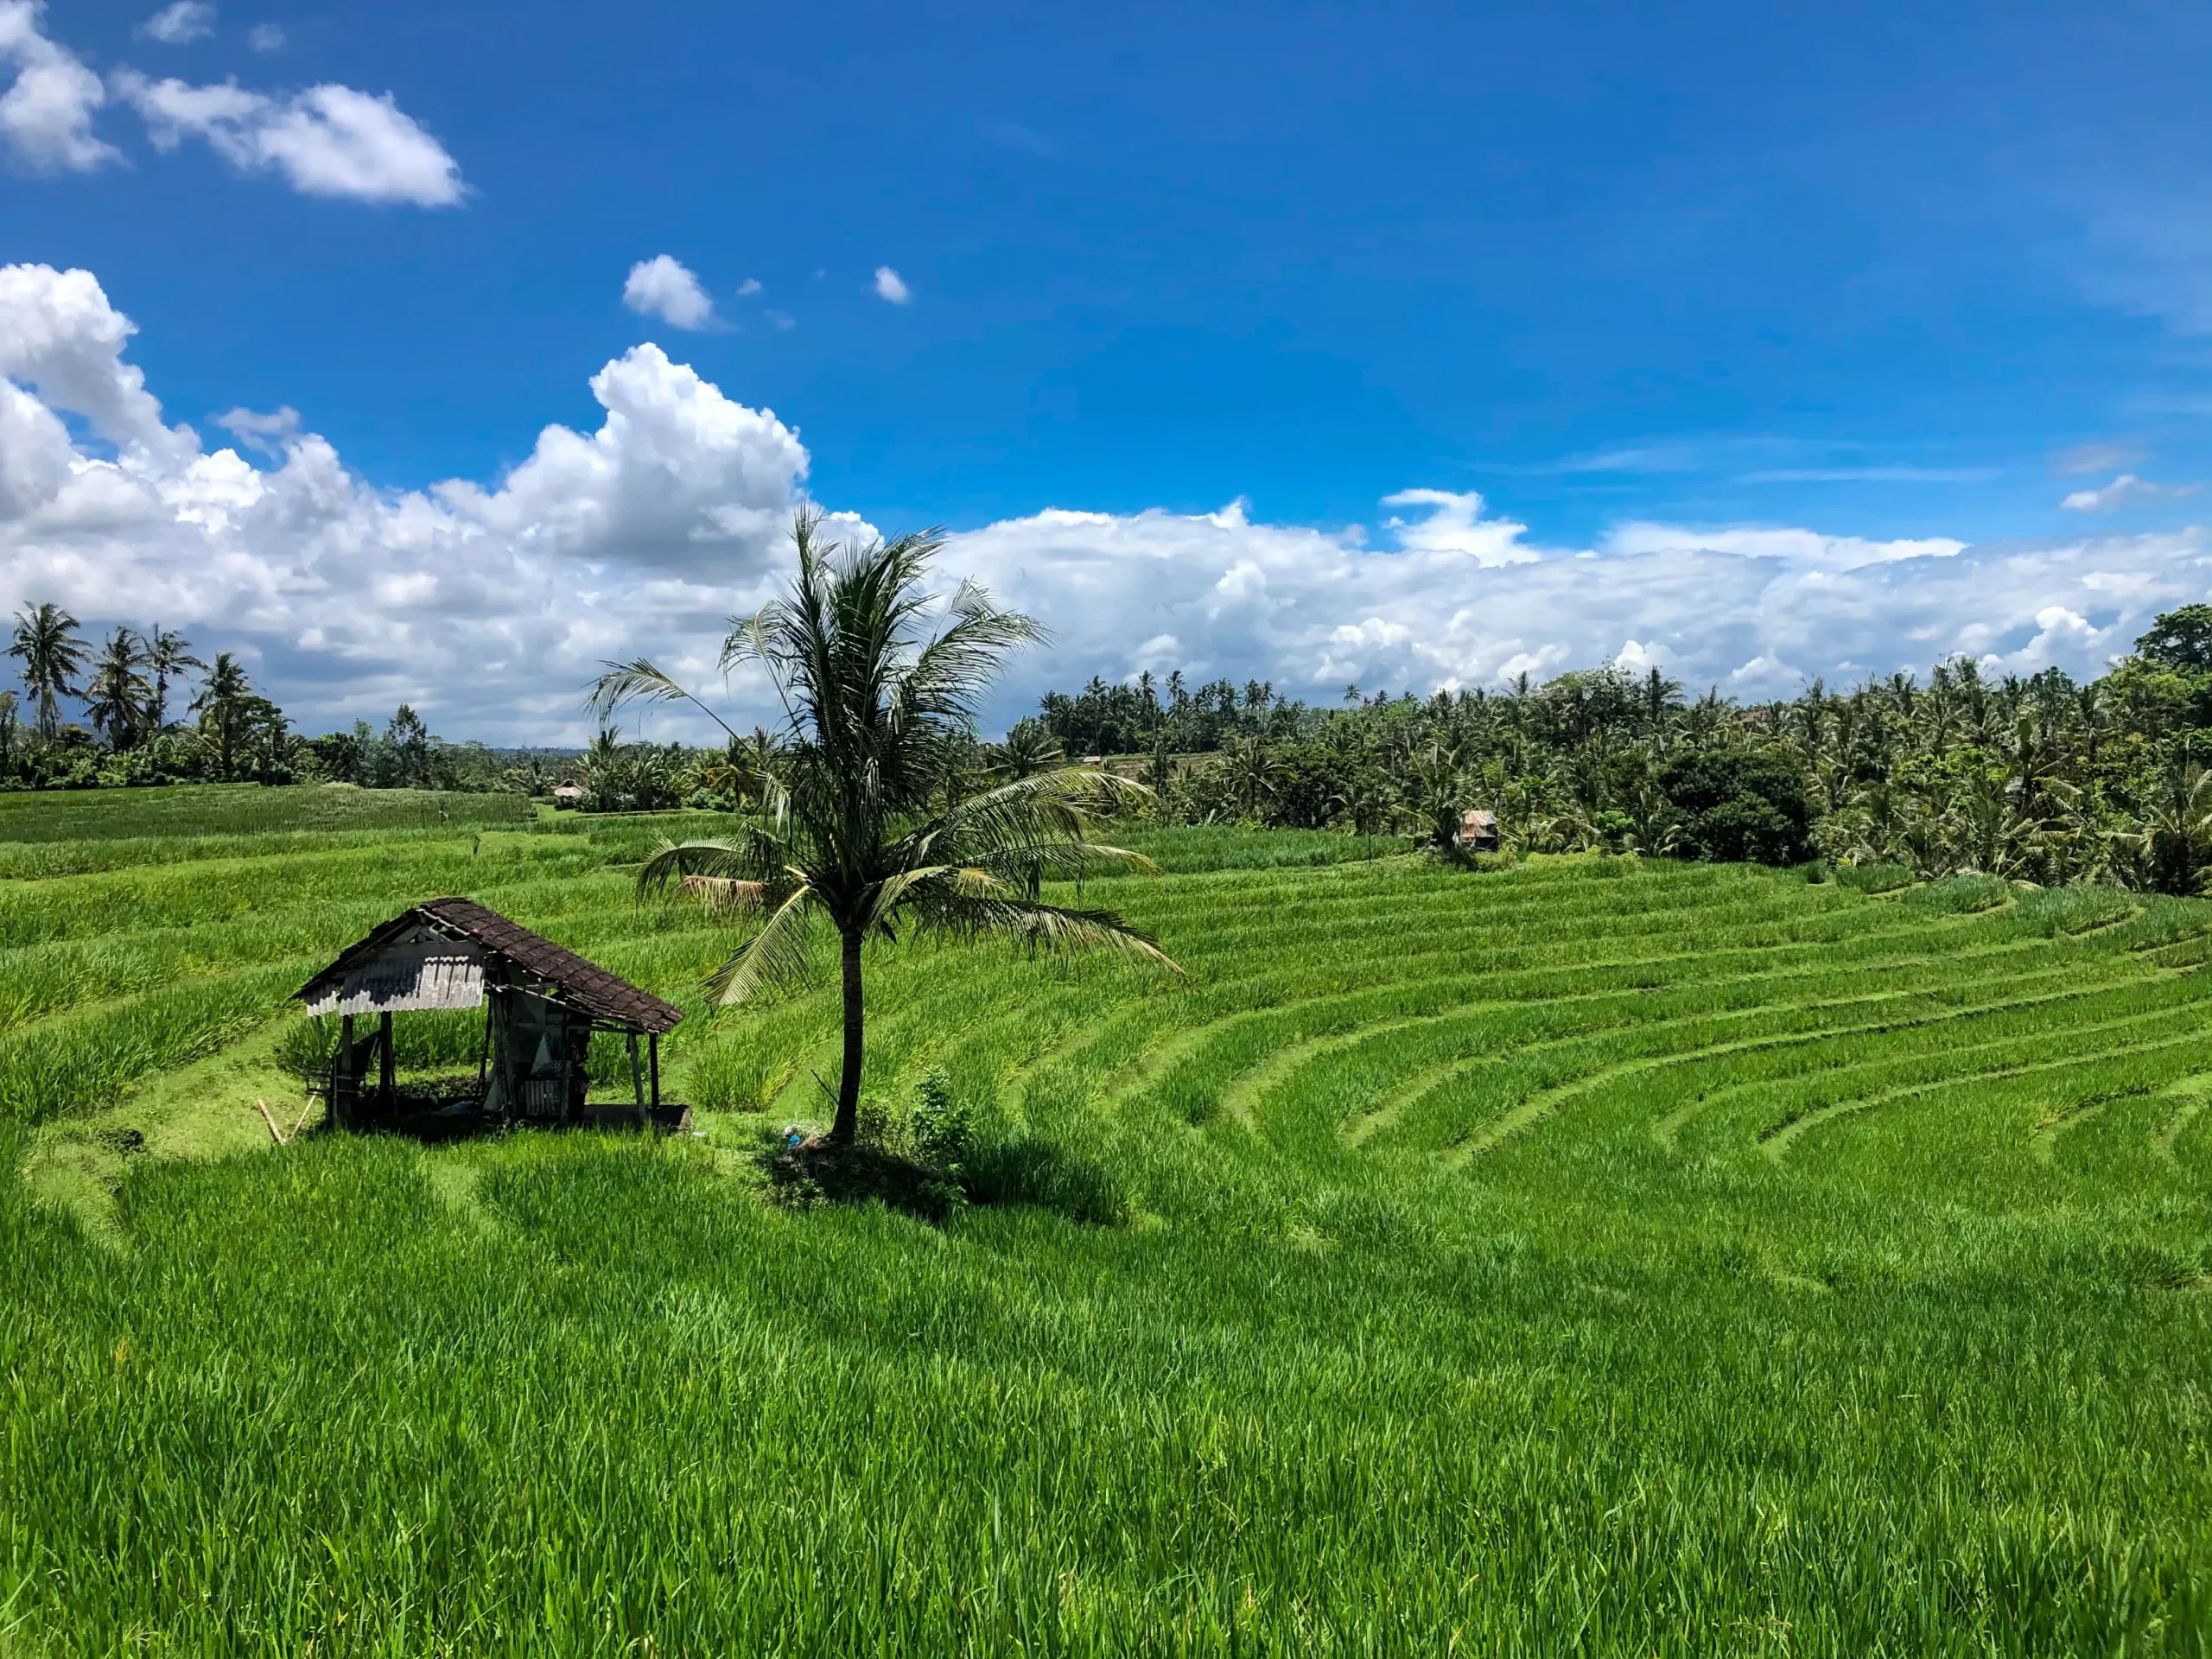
x=1478, y=832
x=542, y=1006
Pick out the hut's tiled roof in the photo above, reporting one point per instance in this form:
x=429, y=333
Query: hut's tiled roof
x=589, y=986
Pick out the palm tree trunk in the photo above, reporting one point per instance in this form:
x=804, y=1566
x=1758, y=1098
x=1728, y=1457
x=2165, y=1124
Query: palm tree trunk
x=849, y=1079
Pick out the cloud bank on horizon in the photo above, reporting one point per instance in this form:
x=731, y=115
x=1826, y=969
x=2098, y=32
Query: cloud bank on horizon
x=492, y=604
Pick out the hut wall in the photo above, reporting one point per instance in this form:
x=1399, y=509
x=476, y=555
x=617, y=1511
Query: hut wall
x=539, y=1048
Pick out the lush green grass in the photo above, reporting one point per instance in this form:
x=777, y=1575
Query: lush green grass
x=1184, y=852
x=242, y=809
x=1587, y=1257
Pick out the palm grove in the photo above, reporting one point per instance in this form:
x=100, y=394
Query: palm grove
x=154, y=713
x=2039, y=778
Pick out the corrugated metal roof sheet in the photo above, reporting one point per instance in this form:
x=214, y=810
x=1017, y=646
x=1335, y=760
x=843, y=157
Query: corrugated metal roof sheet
x=423, y=966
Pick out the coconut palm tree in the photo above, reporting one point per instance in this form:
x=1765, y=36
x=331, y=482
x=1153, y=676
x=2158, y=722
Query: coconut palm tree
x=1436, y=783
x=167, y=653
x=873, y=702
x=2092, y=713
x=745, y=769
x=1028, y=749
x=2175, y=839
x=1251, y=769
x=1659, y=697
x=227, y=709
x=605, y=772
x=52, y=657
x=119, y=697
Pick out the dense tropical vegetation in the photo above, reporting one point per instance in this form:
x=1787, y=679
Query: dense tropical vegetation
x=140, y=728
x=2036, y=778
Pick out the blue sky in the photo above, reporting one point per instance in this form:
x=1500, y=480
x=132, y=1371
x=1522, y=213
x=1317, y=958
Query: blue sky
x=1890, y=272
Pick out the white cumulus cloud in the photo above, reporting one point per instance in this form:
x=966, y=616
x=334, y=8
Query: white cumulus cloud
x=890, y=286
x=1455, y=524
x=661, y=287
x=265, y=37
x=493, y=602
x=185, y=20
x=327, y=141
x=60, y=338
x=46, y=115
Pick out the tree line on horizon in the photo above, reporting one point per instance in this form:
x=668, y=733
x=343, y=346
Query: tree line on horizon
x=2039, y=778
x=154, y=713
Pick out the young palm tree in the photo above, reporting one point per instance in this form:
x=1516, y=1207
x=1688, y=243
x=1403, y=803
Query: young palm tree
x=52, y=657
x=167, y=653
x=874, y=702
x=119, y=697
x=1436, y=784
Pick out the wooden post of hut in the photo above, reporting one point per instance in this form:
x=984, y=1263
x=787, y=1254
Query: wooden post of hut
x=344, y=1085
x=387, y=1067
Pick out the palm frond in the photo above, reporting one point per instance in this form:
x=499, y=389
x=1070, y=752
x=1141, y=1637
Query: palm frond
x=754, y=855
x=639, y=681
x=1060, y=861
x=1056, y=929
x=751, y=638
x=950, y=672
x=1057, y=804
x=931, y=884
x=776, y=955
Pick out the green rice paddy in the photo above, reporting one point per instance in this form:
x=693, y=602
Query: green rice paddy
x=1593, y=1256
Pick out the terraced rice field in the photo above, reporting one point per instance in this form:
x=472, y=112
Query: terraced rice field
x=1593, y=1256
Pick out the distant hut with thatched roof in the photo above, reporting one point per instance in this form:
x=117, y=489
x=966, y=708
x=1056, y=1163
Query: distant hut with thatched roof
x=1478, y=832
